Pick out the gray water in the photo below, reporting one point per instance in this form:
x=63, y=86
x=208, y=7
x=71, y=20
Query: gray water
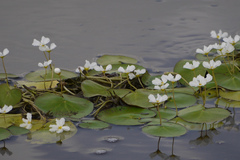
x=156, y=32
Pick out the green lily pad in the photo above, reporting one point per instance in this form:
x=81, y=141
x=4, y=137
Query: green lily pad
x=44, y=136
x=140, y=98
x=188, y=74
x=195, y=126
x=4, y=134
x=39, y=85
x=115, y=59
x=3, y=76
x=64, y=105
x=9, y=96
x=10, y=119
x=199, y=114
x=230, y=95
x=15, y=130
x=91, y=89
x=227, y=103
x=93, y=124
x=125, y=115
x=165, y=130
x=39, y=75
x=231, y=82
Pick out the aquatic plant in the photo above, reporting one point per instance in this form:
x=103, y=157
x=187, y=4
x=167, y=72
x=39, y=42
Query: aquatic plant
x=116, y=90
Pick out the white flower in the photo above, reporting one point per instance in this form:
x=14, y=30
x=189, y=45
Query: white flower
x=219, y=46
x=228, y=48
x=138, y=72
x=42, y=43
x=200, y=80
x=131, y=76
x=59, y=128
x=161, y=87
x=231, y=40
x=4, y=53
x=192, y=66
x=100, y=68
x=27, y=122
x=86, y=67
x=218, y=35
x=205, y=50
x=159, y=82
x=6, y=109
x=171, y=78
x=157, y=100
x=46, y=48
x=45, y=64
x=57, y=71
x=130, y=68
x=211, y=64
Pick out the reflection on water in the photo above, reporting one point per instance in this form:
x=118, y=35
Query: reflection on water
x=156, y=32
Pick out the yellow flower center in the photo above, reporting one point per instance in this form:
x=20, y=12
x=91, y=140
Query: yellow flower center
x=60, y=127
x=29, y=122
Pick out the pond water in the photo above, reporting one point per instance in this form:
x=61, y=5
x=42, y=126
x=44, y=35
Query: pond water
x=156, y=32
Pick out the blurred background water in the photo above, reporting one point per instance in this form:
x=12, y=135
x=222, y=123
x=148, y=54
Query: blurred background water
x=156, y=32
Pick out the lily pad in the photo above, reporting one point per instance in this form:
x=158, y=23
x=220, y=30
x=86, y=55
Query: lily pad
x=64, y=105
x=91, y=89
x=44, y=136
x=40, y=74
x=115, y=59
x=231, y=82
x=227, y=103
x=165, y=130
x=195, y=126
x=3, y=76
x=9, y=96
x=199, y=114
x=140, y=98
x=230, y=95
x=93, y=124
x=125, y=115
x=7, y=120
x=4, y=134
x=188, y=74
x=15, y=130
x=39, y=85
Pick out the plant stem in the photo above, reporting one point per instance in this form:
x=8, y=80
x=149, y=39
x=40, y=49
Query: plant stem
x=214, y=78
x=140, y=82
x=45, y=56
x=131, y=83
x=174, y=99
x=159, y=114
x=5, y=71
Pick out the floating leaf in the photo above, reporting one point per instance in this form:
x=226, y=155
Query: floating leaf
x=64, y=105
x=4, y=134
x=10, y=119
x=231, y=82
x=165, y=130
x=91, y=89
x=3, y=76
x=15, y=130
x=199, y=114
x=93, y=124
x=39, y=75
x=124, y=115
x=195, y=126
x=188, y=74
x=9, y=96
x=115, y=59
x=230, y=95
x=140, y=98
x=227, y=103
x=39, y=85
x=44, y=136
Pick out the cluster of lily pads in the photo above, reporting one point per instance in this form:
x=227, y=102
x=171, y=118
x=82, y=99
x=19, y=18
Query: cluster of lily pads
x=116, y=90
